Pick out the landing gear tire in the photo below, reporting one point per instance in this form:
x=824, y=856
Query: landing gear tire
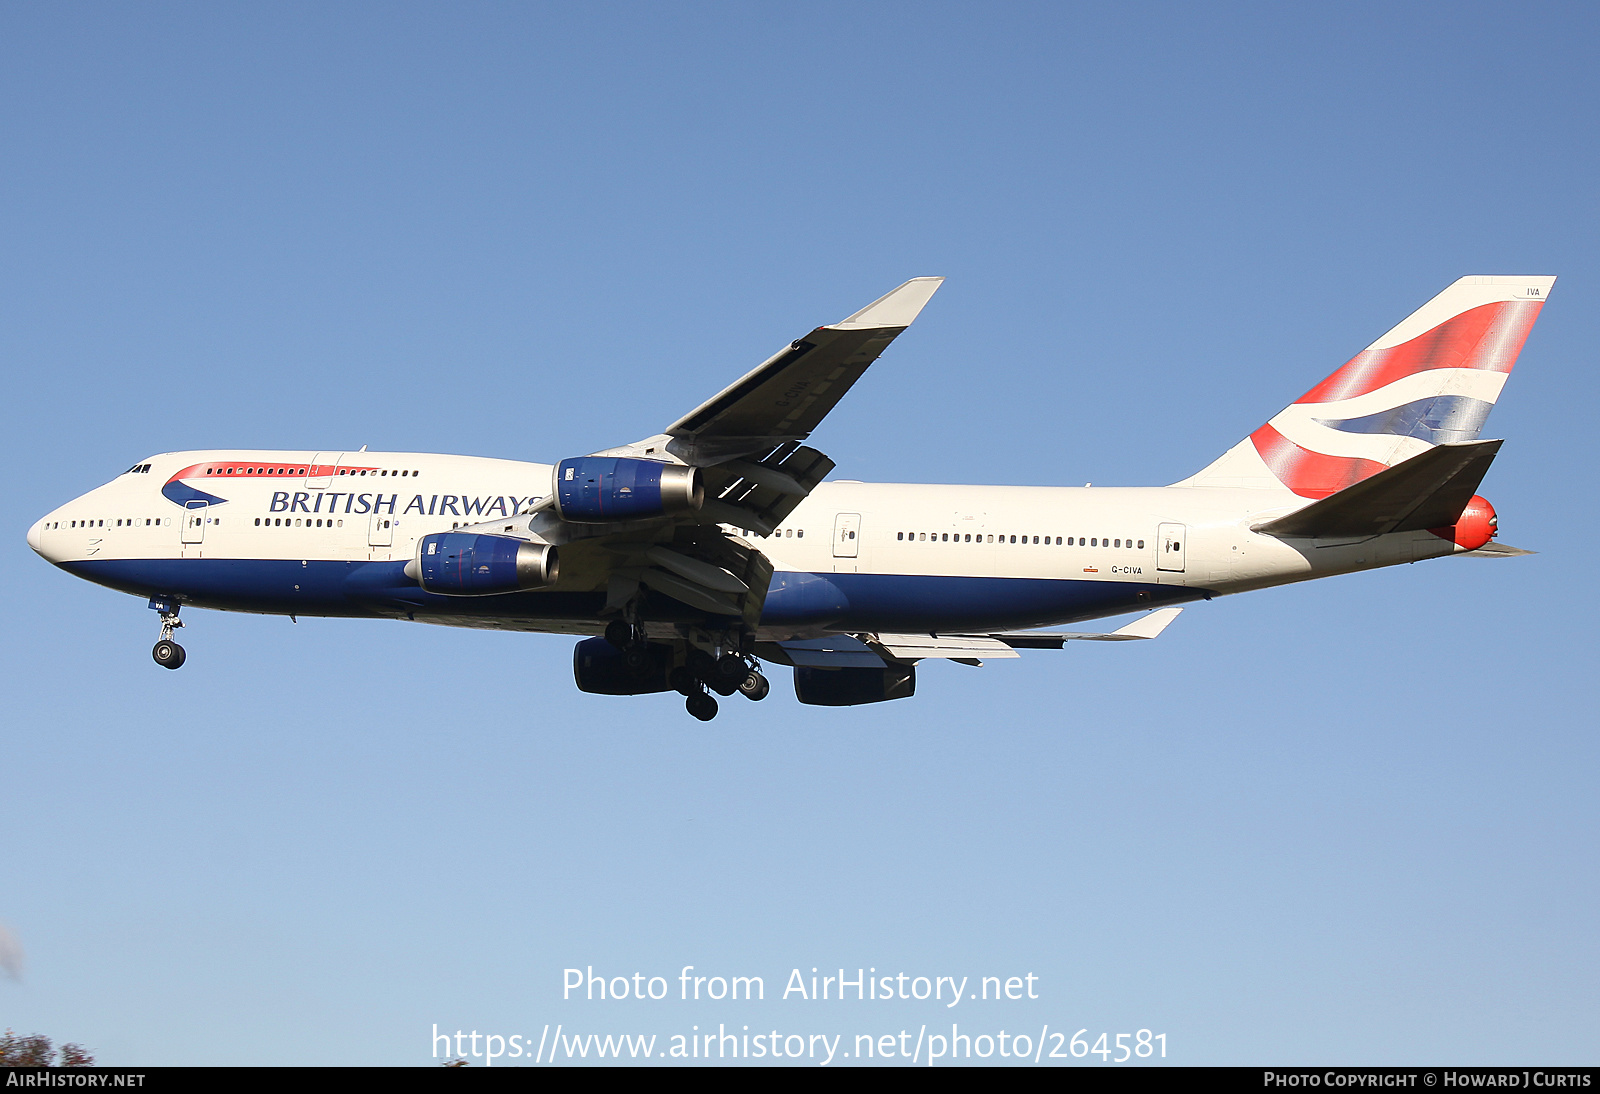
x=731, y=668
x=619, y=632
x=754, y=687
x=702, y=664
x=723, y=687
x=637, y=658
x=681, y=680
x=168, y=654
x=701, y=705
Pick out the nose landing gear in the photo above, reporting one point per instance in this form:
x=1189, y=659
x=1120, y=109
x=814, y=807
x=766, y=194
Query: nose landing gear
x=167, y=653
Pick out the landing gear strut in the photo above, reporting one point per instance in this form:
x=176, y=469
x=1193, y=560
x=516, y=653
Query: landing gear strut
x=167, y=653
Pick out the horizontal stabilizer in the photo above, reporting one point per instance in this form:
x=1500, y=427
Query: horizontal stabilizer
x=1430, y=490
x=1495, y=550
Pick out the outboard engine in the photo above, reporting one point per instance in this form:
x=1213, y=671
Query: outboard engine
x=469, y=564
x=597, y=489
x=852, y=687
x=602, y=669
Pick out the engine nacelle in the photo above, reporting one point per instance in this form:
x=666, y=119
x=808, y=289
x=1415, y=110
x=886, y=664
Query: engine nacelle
x=602, y=669
x=599, y=489
x=469, y=564
x=852, y=687
x=1476, y=526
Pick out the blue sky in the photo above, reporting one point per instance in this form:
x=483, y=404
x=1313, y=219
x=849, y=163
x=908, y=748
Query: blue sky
x=1350, y=821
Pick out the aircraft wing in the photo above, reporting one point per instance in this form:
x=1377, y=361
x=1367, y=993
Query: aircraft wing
x=746, y=443
x=746, y=439
x=876, y=650
x=786, y=397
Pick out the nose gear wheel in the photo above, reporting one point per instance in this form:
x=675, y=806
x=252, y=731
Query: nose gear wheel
x=167, y=653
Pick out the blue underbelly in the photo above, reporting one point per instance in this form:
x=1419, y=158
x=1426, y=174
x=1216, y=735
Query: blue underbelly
x=901, y=603
x=844, y=602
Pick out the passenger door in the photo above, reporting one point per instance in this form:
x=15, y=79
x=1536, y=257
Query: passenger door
x=1173, y=539
x=323, y=467
x=846, y=542
x=196, y=515
x=380, y=532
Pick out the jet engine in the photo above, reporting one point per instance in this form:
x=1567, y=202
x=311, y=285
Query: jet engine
x=598, y=489
x=468, y=564
x=852, y=687
x=602, y=669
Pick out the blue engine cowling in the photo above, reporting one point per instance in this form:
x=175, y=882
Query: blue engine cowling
x=601, y=669
x=466, y=564
x=596, y=489
x=853, y=687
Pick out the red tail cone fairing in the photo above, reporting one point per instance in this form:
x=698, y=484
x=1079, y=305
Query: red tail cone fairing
x=1477, y=526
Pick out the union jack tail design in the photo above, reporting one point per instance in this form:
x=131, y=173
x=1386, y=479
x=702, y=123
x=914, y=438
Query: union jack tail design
x=1431, y=380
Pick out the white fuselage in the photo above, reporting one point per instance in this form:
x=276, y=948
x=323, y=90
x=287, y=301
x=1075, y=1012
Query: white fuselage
x=288, y=532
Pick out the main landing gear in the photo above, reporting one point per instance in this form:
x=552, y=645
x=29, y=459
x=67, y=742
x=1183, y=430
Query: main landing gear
x=724, y=675
x=167, y=653
x=702, y=673
x=629, y=638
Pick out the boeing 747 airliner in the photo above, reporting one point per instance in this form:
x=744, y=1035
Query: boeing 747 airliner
x=693, y=556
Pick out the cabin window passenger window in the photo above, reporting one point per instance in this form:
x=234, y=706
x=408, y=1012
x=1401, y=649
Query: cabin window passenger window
x=1141, y=544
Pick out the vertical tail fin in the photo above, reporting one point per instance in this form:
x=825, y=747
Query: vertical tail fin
x=1432, y=379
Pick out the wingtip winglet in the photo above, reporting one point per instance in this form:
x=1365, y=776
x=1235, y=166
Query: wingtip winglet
x=1150, y=625
x=896, y=308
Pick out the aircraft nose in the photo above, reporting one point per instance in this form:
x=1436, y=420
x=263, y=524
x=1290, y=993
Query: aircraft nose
x=36, y=537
